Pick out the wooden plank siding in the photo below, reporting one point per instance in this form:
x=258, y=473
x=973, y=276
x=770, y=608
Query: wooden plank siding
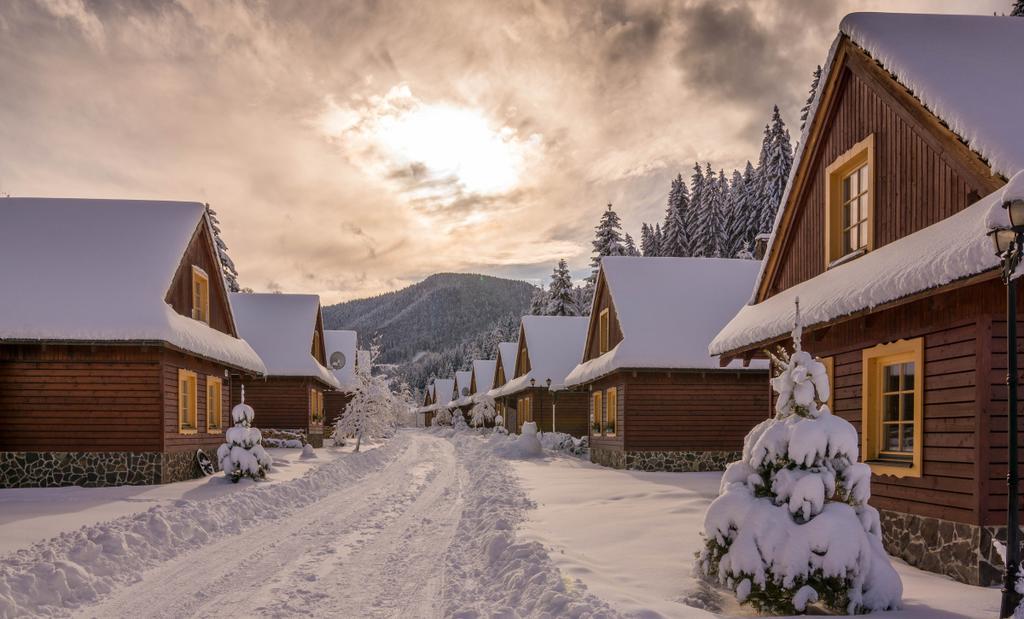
x=200, y=253
x=174, y=440
x=335, y=403
x=602, y=301
x=280, y=402
x=917, y=181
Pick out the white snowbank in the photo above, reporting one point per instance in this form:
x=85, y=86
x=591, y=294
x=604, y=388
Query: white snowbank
x=113, y=262
x=525, y=445
x=280, y=327
x=669, y=309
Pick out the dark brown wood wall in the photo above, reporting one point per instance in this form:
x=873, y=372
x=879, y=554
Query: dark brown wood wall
x=280, y=402
x=613, y=380
x=200, y=253
x=172, y=361
x=603, y=300
x=916, y=184
x=79, y=398
x=568, y=410
x=335, y=403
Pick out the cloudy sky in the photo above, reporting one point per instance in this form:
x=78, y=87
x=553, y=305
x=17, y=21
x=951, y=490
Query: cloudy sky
x=355, y=147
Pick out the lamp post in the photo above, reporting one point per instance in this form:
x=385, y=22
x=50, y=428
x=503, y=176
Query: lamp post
x=1009, y=244
x=554, y=402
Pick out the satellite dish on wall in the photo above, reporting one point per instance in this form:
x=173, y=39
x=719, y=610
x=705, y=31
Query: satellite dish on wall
x=337, y=360
x=465, y=391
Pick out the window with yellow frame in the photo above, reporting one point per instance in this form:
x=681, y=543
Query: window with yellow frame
x=525, y=409
x=602, y=331
x=893, y=408
x=611, y=411
x=200, y=295
x=596, y=413
x=187, y=402
x=830, y=371
x=316, y=406
x=850, y=203
x=214, y=404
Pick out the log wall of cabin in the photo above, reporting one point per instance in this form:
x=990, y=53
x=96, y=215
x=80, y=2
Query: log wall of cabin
x=917, y=182
x=179, y=295
x=174, y=440
x=335, y=403
x=602, y=301
x=79, y=398
x=280, y=402
x=616, y=380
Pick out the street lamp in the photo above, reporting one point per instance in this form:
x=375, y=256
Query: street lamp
x=554, y=403
x=1009, y=244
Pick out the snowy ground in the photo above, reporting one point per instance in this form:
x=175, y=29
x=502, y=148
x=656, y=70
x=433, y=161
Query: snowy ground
x=631, y=537
x=426, y=525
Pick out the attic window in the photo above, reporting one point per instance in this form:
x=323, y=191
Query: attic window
x=849, y=207
x=316, y=345
x=602, y=336
x=200, y=295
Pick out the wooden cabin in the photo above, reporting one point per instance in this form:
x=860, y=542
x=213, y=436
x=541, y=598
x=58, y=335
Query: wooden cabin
x=287, y=331
x=481, y=381
x=117, y=342
x=506, y=359
x=444, y=393
x=549, y=348
x=341, y=349
x=913, y=134
x=463, y=400
x=425, y=413
x=657, y=400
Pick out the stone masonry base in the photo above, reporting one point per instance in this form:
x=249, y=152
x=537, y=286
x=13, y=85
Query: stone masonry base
x=29, y=469
x=961, y=551
x=671, y=461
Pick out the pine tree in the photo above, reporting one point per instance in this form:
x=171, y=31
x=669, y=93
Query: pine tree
x=792, y=525
x=674, y=239
x=774, y=172
x=584, y=296
x=806, y=109
x=539, y=302
x=720, y=228
x=647, y=240
x=691, y=216
x=659, y=241
x=607, y=240
x=1018, y=9
x=630, y=246
x=736, y=217
x=708, y=216
x=561, y=300
x=751, y=206
x=227, y=266
x=243, y=454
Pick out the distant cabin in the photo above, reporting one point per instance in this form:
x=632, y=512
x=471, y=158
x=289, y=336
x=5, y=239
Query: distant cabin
x=463, y=399
x=657, y=400
x=444, y=393
x=117, y=342
x=481, y=381
x=287, y=332
x=506, y=359
x=914, y=131
x=549, y=348
x=425, y=413
x=341, y=349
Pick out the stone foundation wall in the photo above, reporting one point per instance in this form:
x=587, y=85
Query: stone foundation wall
x=961, y=551
x=21, y=469
x=671, y=461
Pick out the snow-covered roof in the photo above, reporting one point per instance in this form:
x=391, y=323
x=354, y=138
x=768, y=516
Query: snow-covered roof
x=947, y=251
x=462, y=381
x=483, y=372
x=554, y=345
x=964, y=68
x=443, y=390
x=280, y=327
x=669, y=309
x=340, y=348
x=99, y=271
x=507, y=352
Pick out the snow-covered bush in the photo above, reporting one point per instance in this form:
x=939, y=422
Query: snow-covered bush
x=482, y=412
x=373, y=411
x=443, y=417
x=560, y=441
x=243, y=454
x=499, y=425
x=792, y=526
x=458, y=421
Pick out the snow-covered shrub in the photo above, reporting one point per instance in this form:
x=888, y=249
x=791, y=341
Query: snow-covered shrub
x=792, y=526
x=458, y=421
x=373, y=410
x=243, y=454
x=560, y=441
x=482, y=412
x=443, y=417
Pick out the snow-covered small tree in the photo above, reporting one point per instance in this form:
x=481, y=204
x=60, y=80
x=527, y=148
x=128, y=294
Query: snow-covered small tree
x=483, y=411
x=607, y=240
x=371, y=411
x=243, y=454
x=659, y=241
x=674, y=233
x=561, y=299
x=647, y=247
x=773, y=171
x=459, y=421
x=443, y=417
x=792, y=525
x=630, y=246
x=806, y=109
x=227, y=265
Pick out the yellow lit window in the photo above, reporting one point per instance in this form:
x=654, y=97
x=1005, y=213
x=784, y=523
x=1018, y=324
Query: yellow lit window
x=893, y=408
x=829, y=364
x=525, y=410
x=596, y=413
x=850, y=203
x=316, y=345
x=200, y=295
x=316, y=406
x=602, y=335
x=214, y=404
x=187, y=402
x=611, y=411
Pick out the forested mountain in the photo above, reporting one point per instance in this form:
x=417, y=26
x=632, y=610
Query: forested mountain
x=431, y=327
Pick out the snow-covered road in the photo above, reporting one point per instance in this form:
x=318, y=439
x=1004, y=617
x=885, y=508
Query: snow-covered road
x=373, y=548
x=423, y=526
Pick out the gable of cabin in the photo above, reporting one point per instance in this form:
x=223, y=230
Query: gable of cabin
x=523, y=356
x=317, y=348
x=499, y=373
x=604, y=322
x=199, y=263
x=918, y=172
